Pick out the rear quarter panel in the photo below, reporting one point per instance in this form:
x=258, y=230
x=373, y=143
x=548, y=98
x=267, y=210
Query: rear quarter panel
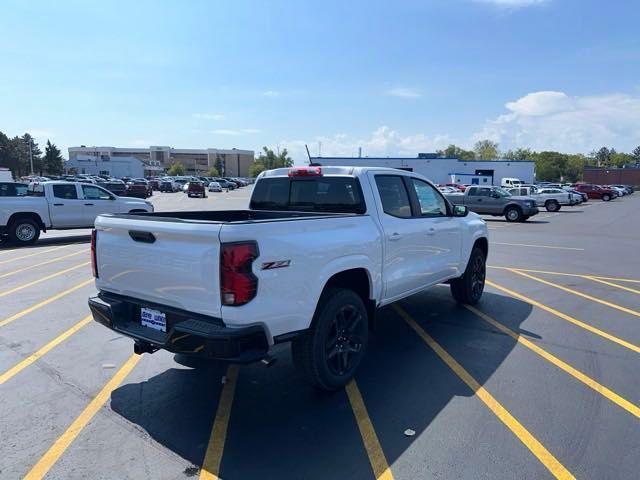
x=316, y=250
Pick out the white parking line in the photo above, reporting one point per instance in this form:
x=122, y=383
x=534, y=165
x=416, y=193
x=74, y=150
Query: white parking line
x=537, y=246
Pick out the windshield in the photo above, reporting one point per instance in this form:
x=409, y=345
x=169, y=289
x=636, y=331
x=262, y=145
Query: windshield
x=502, y=192
x=323, y=194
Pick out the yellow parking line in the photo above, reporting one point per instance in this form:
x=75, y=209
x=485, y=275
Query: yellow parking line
x=33, y=254
x=622, y=287
x=372, y=445
x=43, y=279
x=53, y=260
x=588, y=381
x=213, y=457
x=566, y=317
x=44, y=302
x=615, y=279
x=577, y=293
x=40, y=352
x=535, y=447
x=537, y=246
x=54, y=453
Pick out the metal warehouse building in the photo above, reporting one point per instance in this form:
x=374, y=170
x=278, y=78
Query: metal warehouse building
x=444, y=170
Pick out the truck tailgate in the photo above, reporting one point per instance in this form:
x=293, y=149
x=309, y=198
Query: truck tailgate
x=166, y=262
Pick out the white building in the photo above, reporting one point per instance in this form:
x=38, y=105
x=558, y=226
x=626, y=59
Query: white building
x=444, y=170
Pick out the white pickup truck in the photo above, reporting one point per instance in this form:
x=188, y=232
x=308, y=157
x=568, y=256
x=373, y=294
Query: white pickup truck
x=319, y=250
x=58, y=206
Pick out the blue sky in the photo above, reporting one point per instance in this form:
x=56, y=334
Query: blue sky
x=392, y=77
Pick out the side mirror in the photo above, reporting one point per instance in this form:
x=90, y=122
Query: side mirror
x=460, y=211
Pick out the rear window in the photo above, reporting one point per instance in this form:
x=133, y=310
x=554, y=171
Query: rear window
x=323, y=194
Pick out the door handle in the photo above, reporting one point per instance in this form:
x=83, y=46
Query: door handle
x=89, y=204
x=431, y=231
x=395, y=236
x=58, y=204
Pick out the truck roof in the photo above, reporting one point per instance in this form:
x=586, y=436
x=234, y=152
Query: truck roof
x=329, y=170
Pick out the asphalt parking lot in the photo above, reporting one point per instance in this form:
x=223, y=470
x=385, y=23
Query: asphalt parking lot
x=538, y=381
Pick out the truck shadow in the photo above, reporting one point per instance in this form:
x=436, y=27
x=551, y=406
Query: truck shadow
x=47, y=242
x=280, y=427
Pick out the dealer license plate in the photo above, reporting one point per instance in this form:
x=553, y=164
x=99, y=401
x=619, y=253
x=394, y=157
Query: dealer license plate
x=153, y=319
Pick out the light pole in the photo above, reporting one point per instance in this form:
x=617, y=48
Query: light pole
x=30, y=156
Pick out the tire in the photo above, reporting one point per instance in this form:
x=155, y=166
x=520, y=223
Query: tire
x=513, y=214
x=552, y=206
x=469, y=287
x=24, y=231
x=606, y=197
x=330, y=352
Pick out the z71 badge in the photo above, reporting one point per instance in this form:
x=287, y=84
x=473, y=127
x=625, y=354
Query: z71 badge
x=277, y=264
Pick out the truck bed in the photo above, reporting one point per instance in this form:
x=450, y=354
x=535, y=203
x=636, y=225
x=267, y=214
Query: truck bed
x=232, y=216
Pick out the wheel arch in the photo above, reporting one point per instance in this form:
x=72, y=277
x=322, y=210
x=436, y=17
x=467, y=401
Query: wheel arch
x=31, y=215
x=359, y=281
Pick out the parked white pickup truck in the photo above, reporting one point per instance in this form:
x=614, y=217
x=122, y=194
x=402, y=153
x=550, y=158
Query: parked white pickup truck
x=58, y=206
x=550, y=198
x=319, y=250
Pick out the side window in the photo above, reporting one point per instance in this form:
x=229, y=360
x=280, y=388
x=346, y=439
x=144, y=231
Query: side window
x=473, y=191
x=484, y=192
x=21, y=189
x=394, y=196
x=67, y=192
x=6, y=190
x=431, y=202
x=94, y=193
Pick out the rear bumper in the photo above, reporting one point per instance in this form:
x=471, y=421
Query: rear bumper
x=187, y=333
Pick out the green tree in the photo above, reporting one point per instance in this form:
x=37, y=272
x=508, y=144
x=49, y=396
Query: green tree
x=486, y=150
x=272, y=160
x=519, y=154
x=636, y=153
x=53, y=161
x=453, y=151
x=256, y=169
x=177, y=169
x=618, y=159
x=603, y=157
x=551, y=166
x=36, y=154
x=575, y=167
x=213, y=172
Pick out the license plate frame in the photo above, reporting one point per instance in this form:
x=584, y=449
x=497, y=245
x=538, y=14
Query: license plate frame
x=154, y=319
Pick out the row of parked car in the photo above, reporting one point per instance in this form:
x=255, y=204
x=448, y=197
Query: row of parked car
x=519, y=201
x=144, y=187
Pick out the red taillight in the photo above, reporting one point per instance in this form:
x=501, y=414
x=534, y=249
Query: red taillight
x=238, y=284
x=305, y=171
x=94, y=259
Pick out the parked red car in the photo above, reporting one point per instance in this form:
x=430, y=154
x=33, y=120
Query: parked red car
x=139, y=188
x=462, y=188
x=595, y=191
x=196, y=189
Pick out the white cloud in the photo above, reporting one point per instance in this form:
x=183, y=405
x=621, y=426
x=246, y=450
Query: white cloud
x=271, y=93
x=383, y=142
x=512, y=3
x=556, y=121
x=404, y=92
x=240, y=131
x=540, y=103
x=208, y=116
